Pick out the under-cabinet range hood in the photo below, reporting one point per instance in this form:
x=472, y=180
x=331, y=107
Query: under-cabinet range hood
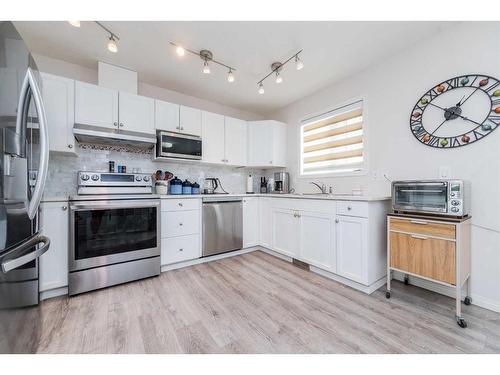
x=103, y=136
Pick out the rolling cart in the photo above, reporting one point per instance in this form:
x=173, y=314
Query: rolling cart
x=433, y=249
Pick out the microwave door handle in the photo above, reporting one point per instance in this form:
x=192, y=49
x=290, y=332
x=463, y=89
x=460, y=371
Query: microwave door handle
x=13, y=263
x=44, y=146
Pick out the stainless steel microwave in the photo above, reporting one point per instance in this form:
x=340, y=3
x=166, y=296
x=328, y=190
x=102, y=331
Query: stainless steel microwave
x=176, y=145
x=438, y=197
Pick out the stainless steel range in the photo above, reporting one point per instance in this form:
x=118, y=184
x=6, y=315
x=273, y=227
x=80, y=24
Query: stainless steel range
x=114, y=230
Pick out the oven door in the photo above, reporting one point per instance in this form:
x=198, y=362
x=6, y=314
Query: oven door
x=110, y=232
x=415, y=196
x=175, y=145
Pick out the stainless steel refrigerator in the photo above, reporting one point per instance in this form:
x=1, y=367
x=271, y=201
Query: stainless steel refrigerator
x=24, y=157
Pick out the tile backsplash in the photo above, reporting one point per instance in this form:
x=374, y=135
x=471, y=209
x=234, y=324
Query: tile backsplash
x=61, y=180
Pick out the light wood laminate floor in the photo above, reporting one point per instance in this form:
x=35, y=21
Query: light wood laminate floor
x=256, y=303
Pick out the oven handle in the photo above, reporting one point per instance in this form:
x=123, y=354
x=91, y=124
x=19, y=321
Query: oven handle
x=105, y=205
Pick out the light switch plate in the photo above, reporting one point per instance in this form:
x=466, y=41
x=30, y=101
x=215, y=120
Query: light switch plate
x=444, y=172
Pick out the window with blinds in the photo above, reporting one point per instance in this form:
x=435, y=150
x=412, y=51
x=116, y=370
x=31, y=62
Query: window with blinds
x=333, y=142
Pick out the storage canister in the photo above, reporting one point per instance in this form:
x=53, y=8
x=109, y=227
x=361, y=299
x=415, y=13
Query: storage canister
x=195, y=188
x=186, y=187
x=175, y=186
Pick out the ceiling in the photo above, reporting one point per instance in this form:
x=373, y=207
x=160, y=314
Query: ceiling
x=332, y=51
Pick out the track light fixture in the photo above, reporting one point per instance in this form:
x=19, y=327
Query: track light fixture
x=276, y=69
x=207, y=57
x=74, y=23
x=113, y=38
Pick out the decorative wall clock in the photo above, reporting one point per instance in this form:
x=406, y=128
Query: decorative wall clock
x=457, y=112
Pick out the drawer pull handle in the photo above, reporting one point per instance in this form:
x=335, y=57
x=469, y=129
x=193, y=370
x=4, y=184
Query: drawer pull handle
x=419, y=222
x=419, y=237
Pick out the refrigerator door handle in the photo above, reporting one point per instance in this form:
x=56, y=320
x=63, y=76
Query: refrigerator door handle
x=10, y=264
x=44, y=142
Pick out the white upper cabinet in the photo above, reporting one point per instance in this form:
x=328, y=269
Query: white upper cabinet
x=190, y=120
x=212, y=137
x=96, y=105
x=166, y=116
x=235, y=141
x=59, y=102
x=266, y=144
x=136, y=113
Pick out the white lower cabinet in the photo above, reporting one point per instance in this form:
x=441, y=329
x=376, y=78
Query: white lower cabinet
x=286, y=233
x=317, y=239
x=53, y=271
x=352, y=248
x=250, y=222
x=180, y=230
x=266, y=222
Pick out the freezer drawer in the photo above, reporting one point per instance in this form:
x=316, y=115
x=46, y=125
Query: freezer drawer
x=222, y=226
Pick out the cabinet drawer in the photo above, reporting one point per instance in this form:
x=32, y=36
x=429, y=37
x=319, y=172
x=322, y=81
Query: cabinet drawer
x=423, y=227
x=424, y=256
x=178, y=249
x=348, y=208
x=180, y=204
x=180, y=223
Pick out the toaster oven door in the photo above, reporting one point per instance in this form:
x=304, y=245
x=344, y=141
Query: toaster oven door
x=420, y=196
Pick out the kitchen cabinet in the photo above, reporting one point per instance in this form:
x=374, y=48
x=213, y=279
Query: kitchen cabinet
x=235, y=141
x=266, y=144
x=286, y=232
x=317, y=239
x=212, y=137
x=166, y=116
x=352, y=247
x=59, y=102
x=96, y=105
x=136, y=113
x=266, y=228
x=250, y=222
x=54, y=263
x=190, y=120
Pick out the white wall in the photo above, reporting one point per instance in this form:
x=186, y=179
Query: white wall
x=81, y=73
x=390, y=91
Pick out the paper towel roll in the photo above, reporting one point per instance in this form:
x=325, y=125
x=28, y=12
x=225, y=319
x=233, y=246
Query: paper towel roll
x=249, y=184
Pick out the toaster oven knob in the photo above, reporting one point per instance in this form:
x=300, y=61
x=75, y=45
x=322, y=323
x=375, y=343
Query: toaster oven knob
x=146, y=178
x=454, y=209
x=138, y=178
x=84, y=177
x=455, y=203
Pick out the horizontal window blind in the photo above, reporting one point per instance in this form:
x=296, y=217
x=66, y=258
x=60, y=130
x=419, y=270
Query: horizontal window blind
x=333, y=142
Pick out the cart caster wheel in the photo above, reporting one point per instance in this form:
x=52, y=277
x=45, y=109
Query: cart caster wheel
x=461, y=323
x=406, y=280
x=387, y=295
x=467, y=301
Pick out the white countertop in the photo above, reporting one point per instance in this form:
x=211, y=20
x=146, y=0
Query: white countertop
x=334, y=197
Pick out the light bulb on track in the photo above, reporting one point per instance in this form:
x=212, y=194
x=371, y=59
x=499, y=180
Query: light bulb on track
x=74, y=23
x=298, y=63
x=112, y=47
x=230, y=76
x=206, y=68
x=279, y=78
x=261, y=88
x=180, y=51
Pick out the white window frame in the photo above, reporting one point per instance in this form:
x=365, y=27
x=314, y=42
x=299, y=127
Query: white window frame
x=364, y=166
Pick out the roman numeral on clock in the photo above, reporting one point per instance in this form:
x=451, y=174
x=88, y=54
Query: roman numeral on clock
x=495, y=102
x=494, y=119
x=477, y=135
x=452, y=83
x=432, y=94
x=492, y=87
x=455, y=142
x=420, y=133
x=433, y=141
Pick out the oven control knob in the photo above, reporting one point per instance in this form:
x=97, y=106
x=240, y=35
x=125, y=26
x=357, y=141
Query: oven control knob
x=84, y=177
x=452, y=194
x=95, y=177
x=146, y=178
x=138, y=178
x=454, y=209
x=455, y=203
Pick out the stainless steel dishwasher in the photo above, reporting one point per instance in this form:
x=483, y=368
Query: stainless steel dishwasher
x=222, y=224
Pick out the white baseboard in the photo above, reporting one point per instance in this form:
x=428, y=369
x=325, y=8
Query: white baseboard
x=52, y=293
x=274, y=253
x=169, y=267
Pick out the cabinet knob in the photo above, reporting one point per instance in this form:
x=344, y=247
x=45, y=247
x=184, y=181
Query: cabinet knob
x=180, y=204
x=349, y=208
x=271, y=162
x=115, y=123
x=337, y=221
x=64, y=208
x=181, y=249
x=121, y=124
x=70, y=146
x=182, y=127
x=180, y=224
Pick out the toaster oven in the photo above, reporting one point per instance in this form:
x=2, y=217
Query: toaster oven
x=438, y=197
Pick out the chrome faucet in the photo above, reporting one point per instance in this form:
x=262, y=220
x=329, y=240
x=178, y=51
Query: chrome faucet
x=321, y=187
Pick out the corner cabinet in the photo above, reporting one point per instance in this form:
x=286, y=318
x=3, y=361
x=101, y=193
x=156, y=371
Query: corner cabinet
x=266, y=144
x=59, y=102
x=54, y=263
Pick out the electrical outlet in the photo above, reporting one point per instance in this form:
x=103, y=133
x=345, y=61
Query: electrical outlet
x=444, y=172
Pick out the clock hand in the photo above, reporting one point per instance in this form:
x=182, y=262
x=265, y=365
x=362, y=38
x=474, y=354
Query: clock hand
x=456, y=114
x=439, y=126
x=462, y=102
